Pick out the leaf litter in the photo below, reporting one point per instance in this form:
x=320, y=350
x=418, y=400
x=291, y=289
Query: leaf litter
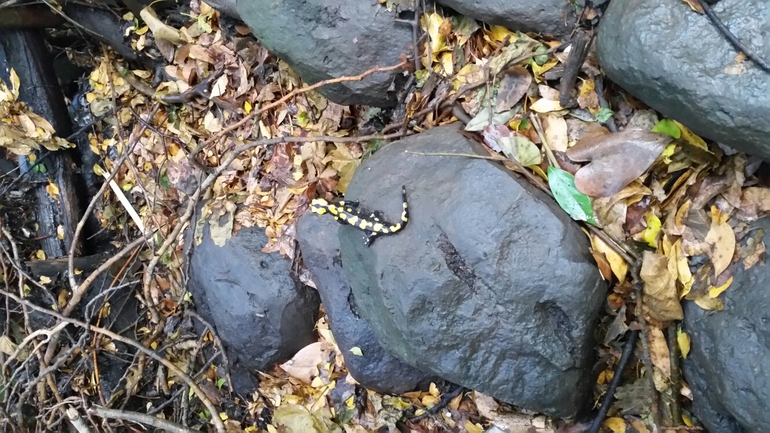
x=683, y=202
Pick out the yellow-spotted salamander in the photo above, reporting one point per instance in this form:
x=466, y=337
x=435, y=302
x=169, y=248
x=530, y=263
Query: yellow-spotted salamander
x=373, y=225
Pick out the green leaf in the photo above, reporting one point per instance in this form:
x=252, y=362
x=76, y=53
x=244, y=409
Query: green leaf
x=356, y=351
x=220, y=382
x=668, y=127
x=603, y=115
x=574, y=202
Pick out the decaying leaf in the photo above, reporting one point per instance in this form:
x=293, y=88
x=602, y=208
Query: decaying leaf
x=516, y=80
x=304, y=364
x=615, y=159
x=660, y=293
x=659, y=353
x=722, y=241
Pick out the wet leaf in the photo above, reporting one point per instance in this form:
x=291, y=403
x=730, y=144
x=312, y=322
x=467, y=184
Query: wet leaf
x=296, y=418
x=615, y=159
x=513, y=87
x=576, y=204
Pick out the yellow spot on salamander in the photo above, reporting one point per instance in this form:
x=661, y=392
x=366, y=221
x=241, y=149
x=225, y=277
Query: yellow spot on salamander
x=395, y=228
x=343, y=216
x=364, y=224
x=353, y=219
x=377, y=227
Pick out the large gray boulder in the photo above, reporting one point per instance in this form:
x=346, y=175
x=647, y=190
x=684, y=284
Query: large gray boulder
x=261, y=313
x=374, y=368
x=728, y=368
x=675, y=61
x=322, y=39
x=550, y=17
x=489, y=286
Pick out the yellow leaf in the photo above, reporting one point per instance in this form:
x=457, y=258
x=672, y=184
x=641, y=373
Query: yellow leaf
x=617, y=264
x=40, y=255
x=691, y=138
x=722, y=240
x=650, y=234
x=52, y=190
x=540, y=70
x=472, y=427
x=543, y=105
x=45, y=280
x=710, y=304
x=14, y=84
x=60, y=232
x=683, y=340
x=247, y=107
x=716, y=291
x=499, y=33
x=617, y=425
x=356, y=351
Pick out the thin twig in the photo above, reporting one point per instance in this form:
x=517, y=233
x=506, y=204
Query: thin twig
x=740, y=46
x=288, y=96
x=628, y=349
x=168, y=364
x=140, y=418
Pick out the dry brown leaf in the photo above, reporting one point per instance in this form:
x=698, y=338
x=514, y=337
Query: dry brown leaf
x=615, y=159
x=659, y=354
x=660, y=294
x=755, y=203
x=513, y=87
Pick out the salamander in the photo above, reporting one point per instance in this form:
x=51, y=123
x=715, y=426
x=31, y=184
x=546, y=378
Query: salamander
x=373, y=225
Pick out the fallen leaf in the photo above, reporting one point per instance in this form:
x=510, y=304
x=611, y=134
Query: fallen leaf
x=518, y=147
x=304, y=364
x=555, y=129
x=722, y=241
x=543, y=105
x=659, y=353
x=660, y=294
x=618, y=265
x=482, y=119
x=616, y=424
x=513, y=87
x=615, y=159
x=576, y=204
x=716, y=291
x=755, y=202
x=683, y=341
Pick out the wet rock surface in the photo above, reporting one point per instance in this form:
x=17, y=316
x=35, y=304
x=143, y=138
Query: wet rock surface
x=678, y=63
x=375, y=369
x=489, y=286
x=261, y=313
x=331, y=38
x=551, y=17
x=728, y=368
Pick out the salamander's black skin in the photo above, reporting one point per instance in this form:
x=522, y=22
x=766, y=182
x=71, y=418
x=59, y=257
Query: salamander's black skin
x=373, y=225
